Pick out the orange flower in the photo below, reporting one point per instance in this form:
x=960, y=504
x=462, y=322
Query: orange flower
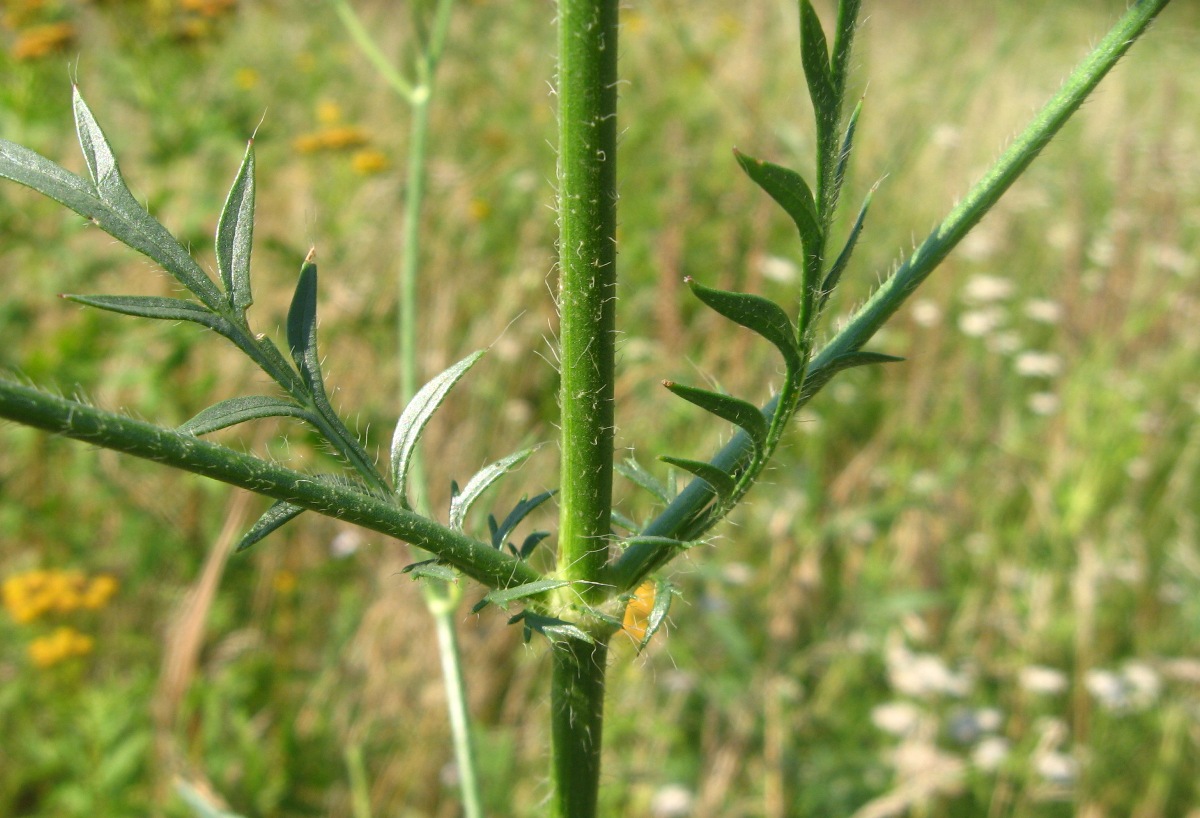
x=637, y=612
x=40, y=41
x=369, y=161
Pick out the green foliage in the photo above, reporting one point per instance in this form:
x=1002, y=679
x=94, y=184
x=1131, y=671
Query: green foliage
x=862, y=587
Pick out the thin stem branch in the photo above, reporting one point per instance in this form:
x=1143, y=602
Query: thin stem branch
x=641, y=559
x=79, y=421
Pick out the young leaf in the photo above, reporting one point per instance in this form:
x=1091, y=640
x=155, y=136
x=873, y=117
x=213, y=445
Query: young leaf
x=432, y=569
x=756, y=313
x=238, y=410
x=839, y=175
x=554, y=629
x=814, y=54
x=302, y=326
x=235, y=235
x=123, y=217
x=835, y=271
x=738, y=412
x=860, y=358
x=663, y=593
x=278, y=514
x=520, y=512
x=791, y=192
x=501, y=598
x=723, y=484
x=635, y=472
x=619, y=520
x=153, y=306
x=531, y=542
x=462, y=501
x=416, y=415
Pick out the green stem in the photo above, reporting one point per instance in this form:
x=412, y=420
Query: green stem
x=641, y=559
x=79, y=421
x=440, y=598
x=587, y=215
x=577, y=719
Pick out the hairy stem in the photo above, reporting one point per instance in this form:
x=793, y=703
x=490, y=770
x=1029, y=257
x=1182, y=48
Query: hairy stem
x=577, y=718
x=587, y=216
x=641, y=559
x=79, y=421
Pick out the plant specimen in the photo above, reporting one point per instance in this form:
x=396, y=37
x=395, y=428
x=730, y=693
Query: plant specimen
x=600, y=560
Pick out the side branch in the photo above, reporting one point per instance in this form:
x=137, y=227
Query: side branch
x=79, y=421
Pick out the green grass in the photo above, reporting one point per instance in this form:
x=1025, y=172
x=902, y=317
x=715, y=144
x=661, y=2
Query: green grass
x=934, y=506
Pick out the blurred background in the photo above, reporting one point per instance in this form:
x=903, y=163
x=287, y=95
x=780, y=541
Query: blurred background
x=970, y=585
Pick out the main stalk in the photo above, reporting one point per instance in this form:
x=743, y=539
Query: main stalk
x=587, y=216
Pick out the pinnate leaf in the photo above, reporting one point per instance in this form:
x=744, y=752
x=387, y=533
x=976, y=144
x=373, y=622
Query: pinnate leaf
x=504, y=596
x=522, y=510
x=740, y=413
x=415, y=417
x=756, y=313
x=432, y=569
x=239, y=410
x=302, y=326
x=235, y=235
x=553, y=628
x=664, y=592
x=839, y=265
x=721, y=482
x=118, y=213
x=860, y=358
x=461, y=502
x=791, y=192
x=280, y=513
x=153, y=306
x=814, y=54
x=636, y=473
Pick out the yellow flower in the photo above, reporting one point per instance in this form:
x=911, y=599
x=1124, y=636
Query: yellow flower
x=369, y=161
x=63, y=643
x=333, y=138
x=329, y=112
x=246, y=78
x=98, y=592
x=40, y=41
x=479, y=209
x=284, y=582
x=208, y=8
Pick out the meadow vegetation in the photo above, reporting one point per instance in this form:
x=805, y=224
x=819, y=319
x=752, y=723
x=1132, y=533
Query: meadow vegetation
x=970, y=585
